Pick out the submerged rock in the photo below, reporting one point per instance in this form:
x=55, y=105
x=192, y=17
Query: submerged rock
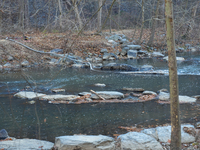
x=146, y=68
x=26, y=144
x=138, y=141
x=119, y=67
x=84, y=142
x=133, y=89
x=59, y=97
x=108, y=95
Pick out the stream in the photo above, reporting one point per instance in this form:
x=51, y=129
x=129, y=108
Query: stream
x=46, y=121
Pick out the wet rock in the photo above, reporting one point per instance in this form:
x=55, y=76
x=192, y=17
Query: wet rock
x=7, y=65
x=29, y=95
x=3, y=134
x=186, y=99
x=164, y=134
x=84, y=142
x=157, y=54
x=124, y=51
x=132, y=54
x=56, y=50
x=146, y=68
x=197, y=97
x=84, y=93
x=134, y=47
x=106, y=56
x=108, y=95
x=58, y=90
x=163, y=96
x=149, y=93
x=100, y=84
x=133, y=89
x=198, y=125
x=26, y=144
x=119, y=67
x=10, y=58
x=177, y=58
x=137, y=141
x=193, y=49
x=25, y=63
x=59, y=97
x=104, y=51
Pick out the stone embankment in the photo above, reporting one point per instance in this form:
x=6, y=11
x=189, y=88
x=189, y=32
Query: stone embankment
x=158, y=138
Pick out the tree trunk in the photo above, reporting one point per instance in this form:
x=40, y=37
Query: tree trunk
x=77, y=14
x=173, y=78
x=142, y=27
x=21, y=15
x=60, y=13
x=99, y=16
x=150, y=42
x=119, y=10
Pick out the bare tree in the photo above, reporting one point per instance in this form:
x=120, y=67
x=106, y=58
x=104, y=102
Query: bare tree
x=173, y=78
x=75, y=6
x=99, y=16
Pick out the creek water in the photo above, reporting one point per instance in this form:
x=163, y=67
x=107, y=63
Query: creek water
x=46, y=121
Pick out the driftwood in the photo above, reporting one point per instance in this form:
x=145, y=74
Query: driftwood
x=97, y=94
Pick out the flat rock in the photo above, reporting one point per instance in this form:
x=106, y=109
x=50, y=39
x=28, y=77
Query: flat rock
x=133, y=89
x=132, y=54
x=26, y=144
x=134, y=47
x=58, y=90
x=149, y=93
x=146, y=68
x=100, y=84
x=59, y=97
x=84, y=142
x=138, y=141
x=177, y=58
x=108, y=95
x=157, y=54
x=29, y=95
x=119, y=67
x=164, y=134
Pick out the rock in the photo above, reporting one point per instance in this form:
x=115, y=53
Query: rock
x=124, y=51
x=151, y=132
x=29, y=95
x=3, y=134
x=108, y=95
x=132, y=54
x=79, y=66
x=177, y=58
x=1, y=67
x=164, y=134
x=193, y=49
x=58, y=90
x=10, y=58
x=100, y=84
x=134, y=47
x=163, y=96
x=149, y=93
x=121, y=67
x=133, y=89
x=57, y=50
x=84, y=142
x=146, y=68
x=7, y=65
x=157, y=54
x=122, y=41
x=53, y=61
x=25, y=63
x=104, y=51
x=84, y=93
x=115, y=37
x=138, y=141
x=106, y=56
x=97, y=60
x=113, y=55
x=187, y=45
x=198, y=125
x=26, y=144
x=59, y=97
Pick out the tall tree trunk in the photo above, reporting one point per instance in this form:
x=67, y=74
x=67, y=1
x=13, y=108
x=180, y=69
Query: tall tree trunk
x=99, y=16
x=60, y=13
x=151, y=39
x=173, y=78
x=119, y=12
x=142, y=27
x=21, y=15
x=77, y=14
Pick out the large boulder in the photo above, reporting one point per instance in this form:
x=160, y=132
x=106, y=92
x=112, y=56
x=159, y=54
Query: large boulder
x=108, y=95
x=138, y=141
x=119, y=67
x=3, y=134
x=26, y=144
x=29, y=95
x=164, y=134
x=85, y=142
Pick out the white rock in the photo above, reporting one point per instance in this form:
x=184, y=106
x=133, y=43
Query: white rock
x=59, y=97
x=108, y=95
x=149, y=93
x=163, y=96
x=177, y=58
x=151, y=132
x=164, y=134
x=134, y=47
x=139, y=141
x=157, y=54
x=26, y=144
x=84, y=142
x=100, y=84
x=29, y=95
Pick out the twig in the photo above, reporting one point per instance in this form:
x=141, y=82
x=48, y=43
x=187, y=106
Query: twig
x=97, y=95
